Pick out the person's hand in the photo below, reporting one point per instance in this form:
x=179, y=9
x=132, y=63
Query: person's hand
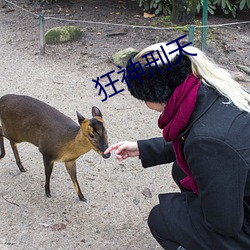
x=124, y=149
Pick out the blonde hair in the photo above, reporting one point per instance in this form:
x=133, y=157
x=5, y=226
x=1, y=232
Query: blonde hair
x=203, y=68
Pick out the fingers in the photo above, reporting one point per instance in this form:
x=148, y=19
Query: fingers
x=124, y=149
x=120, y=157
x=113, y=147
x=121, y=149
x=121, y=154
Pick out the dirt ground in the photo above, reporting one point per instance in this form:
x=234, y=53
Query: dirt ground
x=119, y=195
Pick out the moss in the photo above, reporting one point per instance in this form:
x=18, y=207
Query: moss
x=121, y=57
x=63, y=34
x=166, y=23
x=163, y=22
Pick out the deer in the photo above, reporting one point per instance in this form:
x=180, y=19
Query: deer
x=58, y=137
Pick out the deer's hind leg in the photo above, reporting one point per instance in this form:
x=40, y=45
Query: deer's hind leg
x=18, y=161
x=71, y=168
x=48, y=164
x=1, y=144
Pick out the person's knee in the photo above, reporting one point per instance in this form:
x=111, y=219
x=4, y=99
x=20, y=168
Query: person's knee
x=156, y=223
x=159, y=229
x=153, y=218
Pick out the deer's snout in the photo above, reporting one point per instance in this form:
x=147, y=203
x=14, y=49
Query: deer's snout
x=106, y=156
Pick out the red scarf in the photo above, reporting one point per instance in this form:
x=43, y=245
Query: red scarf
x=174, y=119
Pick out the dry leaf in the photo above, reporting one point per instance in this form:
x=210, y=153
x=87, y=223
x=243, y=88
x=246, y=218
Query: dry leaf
x=58, y=227
x=147, y=15
x=147, y=193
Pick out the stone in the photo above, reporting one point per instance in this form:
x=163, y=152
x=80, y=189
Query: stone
x=239, y=76
x=121, y=57
x=63, y=34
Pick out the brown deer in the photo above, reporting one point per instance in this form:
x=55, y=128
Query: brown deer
x=59, y=139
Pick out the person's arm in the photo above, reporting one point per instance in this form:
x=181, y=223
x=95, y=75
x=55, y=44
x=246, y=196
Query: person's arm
x=155, y=151
x=220, y=173
x=124, y=149
x=151, y=152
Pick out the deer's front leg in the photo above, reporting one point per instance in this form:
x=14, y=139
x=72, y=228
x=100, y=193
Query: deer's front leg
x=71, y=168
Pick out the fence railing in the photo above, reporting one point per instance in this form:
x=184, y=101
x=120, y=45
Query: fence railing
x=191, y=28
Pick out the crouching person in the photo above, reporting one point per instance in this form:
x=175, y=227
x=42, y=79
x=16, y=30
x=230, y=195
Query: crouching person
x=205, y=120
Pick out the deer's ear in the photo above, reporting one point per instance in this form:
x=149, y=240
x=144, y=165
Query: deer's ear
x=96, y=112
x=80, y=118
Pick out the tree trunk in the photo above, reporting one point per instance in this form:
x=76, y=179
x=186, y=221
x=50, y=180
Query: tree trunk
x=183, y=11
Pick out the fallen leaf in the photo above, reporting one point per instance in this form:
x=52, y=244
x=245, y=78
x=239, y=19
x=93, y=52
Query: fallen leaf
x=58, y=227
x=147, y=15
x=147, y=193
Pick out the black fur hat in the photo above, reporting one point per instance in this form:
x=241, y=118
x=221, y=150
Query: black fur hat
x=154, y=86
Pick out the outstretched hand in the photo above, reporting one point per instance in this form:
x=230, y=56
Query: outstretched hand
x=124, y=150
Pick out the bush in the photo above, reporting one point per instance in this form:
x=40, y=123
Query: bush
x=227, y=6
x=156, y=6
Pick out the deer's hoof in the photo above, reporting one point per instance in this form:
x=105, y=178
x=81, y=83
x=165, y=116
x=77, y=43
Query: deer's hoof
x=82, y=198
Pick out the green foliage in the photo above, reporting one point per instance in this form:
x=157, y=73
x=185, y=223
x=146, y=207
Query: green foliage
x=211, y=7
x=244, y=4
x=165, y=6
x=157, y=6
x=226, y=6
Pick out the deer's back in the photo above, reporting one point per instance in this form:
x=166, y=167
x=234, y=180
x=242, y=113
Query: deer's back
x=24, y=118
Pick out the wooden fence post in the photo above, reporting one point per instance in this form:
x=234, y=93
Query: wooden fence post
x=204, y=24
x=42, y=32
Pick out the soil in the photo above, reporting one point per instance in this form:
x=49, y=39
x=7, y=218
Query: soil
x=119, y=195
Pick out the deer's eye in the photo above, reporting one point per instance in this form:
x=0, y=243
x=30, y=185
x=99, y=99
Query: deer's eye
x=91, y=136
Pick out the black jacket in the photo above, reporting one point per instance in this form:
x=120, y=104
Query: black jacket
x=216, y=145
